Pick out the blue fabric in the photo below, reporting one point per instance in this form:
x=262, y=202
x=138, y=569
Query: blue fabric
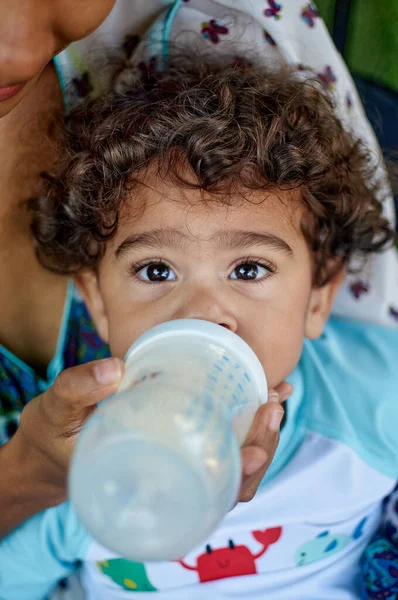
x=40, y=553
x=380, y=561
x=78, y=343
x=351, y=375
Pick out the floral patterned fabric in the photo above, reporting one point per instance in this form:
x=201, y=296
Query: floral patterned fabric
x=380, y=561
x=79, y=343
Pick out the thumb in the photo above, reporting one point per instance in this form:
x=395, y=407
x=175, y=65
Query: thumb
x=81, y=387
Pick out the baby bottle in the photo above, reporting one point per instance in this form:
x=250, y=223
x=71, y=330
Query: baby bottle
x=157, y=465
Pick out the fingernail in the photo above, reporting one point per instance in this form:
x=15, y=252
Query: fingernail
x=107, y=371
x=273, y=397
x=275, y=420
x=253, y=465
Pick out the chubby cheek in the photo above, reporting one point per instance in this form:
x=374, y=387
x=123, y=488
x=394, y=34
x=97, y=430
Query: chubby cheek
x=125, y=326
x=280, y=357
x=128, y=319
x=277, y=339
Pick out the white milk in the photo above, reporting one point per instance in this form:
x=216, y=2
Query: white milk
x=158, y=464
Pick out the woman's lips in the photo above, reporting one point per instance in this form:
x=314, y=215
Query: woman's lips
x=8, y=92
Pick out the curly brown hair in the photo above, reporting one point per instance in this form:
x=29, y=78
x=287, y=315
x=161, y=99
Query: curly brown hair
x=230, y=129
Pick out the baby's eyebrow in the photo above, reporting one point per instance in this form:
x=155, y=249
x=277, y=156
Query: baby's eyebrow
x=240, y=240
x=231, y=240
x=168, y=237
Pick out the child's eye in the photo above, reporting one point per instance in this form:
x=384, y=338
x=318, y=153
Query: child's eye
x=156, y=272
x=250, y=271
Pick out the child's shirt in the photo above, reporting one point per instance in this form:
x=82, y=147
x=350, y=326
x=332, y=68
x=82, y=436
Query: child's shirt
x=304, y=532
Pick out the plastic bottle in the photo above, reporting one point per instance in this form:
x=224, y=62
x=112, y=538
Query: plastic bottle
x=157, y=466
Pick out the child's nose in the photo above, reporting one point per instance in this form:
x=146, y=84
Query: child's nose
x=208, y=308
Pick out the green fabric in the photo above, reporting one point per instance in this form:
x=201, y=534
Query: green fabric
x=326, y=10
x=372, y=41
x=372, y=38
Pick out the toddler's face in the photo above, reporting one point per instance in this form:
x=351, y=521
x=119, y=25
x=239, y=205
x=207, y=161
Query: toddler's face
x=246, y=267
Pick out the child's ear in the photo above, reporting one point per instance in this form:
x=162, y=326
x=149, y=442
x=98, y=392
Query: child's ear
x=320, y=305
x=87, y=284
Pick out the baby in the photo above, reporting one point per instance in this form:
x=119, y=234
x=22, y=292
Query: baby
x=232, y=195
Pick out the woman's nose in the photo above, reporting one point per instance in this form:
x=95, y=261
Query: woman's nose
x=27, y=41
x=201, y=305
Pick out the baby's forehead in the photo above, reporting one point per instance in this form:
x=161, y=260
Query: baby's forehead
x=191, y=220
x=163, y=204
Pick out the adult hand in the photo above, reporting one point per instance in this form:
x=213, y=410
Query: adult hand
x=262, y=441
x=34, y=463
x=50, y=423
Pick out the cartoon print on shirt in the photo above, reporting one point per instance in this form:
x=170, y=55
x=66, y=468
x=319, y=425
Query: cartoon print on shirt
x=273, y=10
x=232, y=561
x=326, y=544
x=309, y=14
x=129, y=575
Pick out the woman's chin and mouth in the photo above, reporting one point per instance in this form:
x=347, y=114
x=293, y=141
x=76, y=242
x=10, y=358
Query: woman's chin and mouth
x=9, y=91
x=10, y=95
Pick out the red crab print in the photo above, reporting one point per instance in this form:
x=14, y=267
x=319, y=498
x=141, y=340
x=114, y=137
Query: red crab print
x=212, y=30
x=232, y=561
x=328, y=78
x=358, y=288
x=309, y=14
x=268, y=38
x=273, y=10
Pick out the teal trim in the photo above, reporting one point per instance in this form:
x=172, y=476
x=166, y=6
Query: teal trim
x=57, y=61
x=56, y=364
x=351, y=390
x=167, y=29
x=368, y=457
x=17, y=361
x=368, y=454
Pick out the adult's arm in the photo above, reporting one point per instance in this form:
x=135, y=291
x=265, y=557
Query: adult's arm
x=27, y=485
